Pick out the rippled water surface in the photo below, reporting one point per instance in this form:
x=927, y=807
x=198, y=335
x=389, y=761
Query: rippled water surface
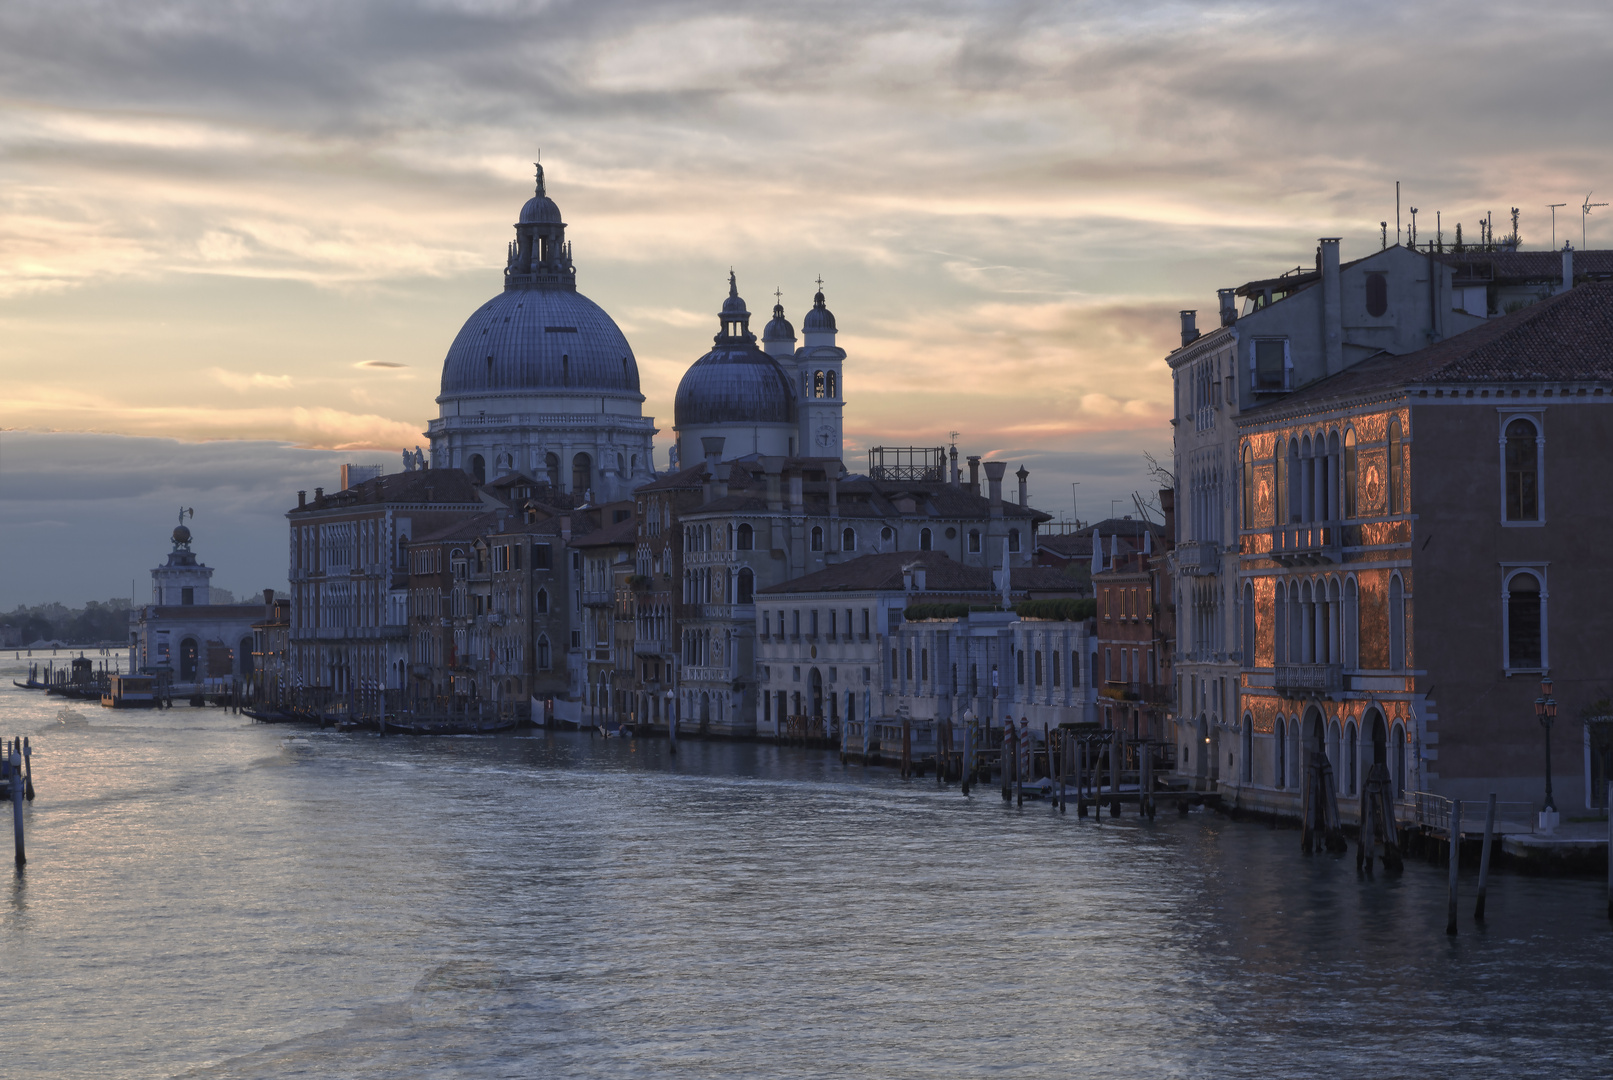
x=206, y=897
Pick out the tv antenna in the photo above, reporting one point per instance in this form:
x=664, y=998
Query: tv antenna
x=1585, y=212
x=1413, y=244
x=1075, y=507
x=1553, y=207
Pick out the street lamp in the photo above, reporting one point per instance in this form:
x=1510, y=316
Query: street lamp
x=1546, y=713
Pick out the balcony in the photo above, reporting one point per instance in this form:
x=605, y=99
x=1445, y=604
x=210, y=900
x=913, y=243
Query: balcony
x=1306, y=545
x=651, y=646
x=1310, y=678
x=1198, y=558
x=598, y=597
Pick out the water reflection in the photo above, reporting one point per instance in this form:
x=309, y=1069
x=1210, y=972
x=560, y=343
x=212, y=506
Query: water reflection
x=211, y=898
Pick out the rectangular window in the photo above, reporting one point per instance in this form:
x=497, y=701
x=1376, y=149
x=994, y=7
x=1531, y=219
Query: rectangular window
x=795, y=622
x=1269, y=360
x=516, y=551
x=814, y=622
x=865, y=624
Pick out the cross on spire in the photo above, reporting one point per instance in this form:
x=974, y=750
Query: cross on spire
x=778, y=295
x=820, y=282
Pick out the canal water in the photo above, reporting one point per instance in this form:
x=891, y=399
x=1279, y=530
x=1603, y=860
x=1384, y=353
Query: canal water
x=210, y=898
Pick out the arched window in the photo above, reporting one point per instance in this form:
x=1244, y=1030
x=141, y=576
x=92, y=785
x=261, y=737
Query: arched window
x=1279, y=759
x=974, y=541
x=746, y=539
x=1351, y=470
x=544, y=660
x=1333, y=750
x=1279, y=637
x=1038, y=666
x=1248, y=643
x=1351, y=628
x=582, y=474
x=551, y=465
x=829, y=382
x=1397, y=624
x=1305, y=500
x=1522, y=462
x=1279, y=485
x=478, y=468
x=817, y=384
x=1399, y=744
x=540, y=603
x=1352, y=757
x=908, y=666
x=632, y=463
x=1377, y=295
x=1294, y=498
x=887, y=535
x=1246, y=747
x=1013, y=539
x=1019, y=666
x=1525, y=612
x=817, y=538
x=1396, y=467
x=747, y=586
x=1248, y=486
x=848, y=539
x=924, y=540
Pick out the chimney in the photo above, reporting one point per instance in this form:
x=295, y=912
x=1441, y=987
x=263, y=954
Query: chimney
x=994, y=483
x=319, y=493
x=1024, y=495
x=1190, y=332
x=797, y=499
x=1332, y=306
x=302, y=499
x=268, y=604
x=719, y=479
x=713, y=445
x=1229, y=305
x=974, y=473
x=1568, y=267
x=907, y=579
x=770, y=469
x=918, y=578
x=954, y=474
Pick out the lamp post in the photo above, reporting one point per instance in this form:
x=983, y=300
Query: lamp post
x=1546, y=713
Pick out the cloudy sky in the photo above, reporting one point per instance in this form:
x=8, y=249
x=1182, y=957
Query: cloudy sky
x=236, y=239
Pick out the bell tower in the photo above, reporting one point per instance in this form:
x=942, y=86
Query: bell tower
x=819, y=370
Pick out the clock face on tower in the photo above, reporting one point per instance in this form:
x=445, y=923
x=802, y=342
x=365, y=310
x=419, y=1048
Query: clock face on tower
x=825, y=435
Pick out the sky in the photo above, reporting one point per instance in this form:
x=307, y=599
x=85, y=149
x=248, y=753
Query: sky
x=237, y=239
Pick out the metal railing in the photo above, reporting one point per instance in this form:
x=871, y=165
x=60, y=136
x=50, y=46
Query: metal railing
x=1306, y=544
x=1433, y=812
x=1315, y=678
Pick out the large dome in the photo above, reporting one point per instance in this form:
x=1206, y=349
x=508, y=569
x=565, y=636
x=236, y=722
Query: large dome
x=734, y=384
x=537, y=339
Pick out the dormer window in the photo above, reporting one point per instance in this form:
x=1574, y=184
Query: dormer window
x=1269, y=364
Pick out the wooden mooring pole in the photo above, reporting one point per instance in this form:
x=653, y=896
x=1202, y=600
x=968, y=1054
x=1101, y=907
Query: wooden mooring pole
x=14, y=759
x=1610, y=849
x=1484, y=859
x=1456, y=858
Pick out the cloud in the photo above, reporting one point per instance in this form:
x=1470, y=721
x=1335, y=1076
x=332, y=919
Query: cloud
x=1009, y=202
x=256, y=381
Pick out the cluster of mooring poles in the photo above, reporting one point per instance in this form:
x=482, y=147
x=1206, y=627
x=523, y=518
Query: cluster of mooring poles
x=17, y=781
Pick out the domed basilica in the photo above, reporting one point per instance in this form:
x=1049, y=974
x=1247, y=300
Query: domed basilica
x=540, y=380
x=775, y=399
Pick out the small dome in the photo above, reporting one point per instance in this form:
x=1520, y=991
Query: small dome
x=820, y=318
x=779, y=328
x=734, y=384
x=540, y=210
x=181, y=535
